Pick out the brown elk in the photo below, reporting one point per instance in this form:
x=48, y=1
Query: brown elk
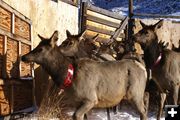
x=93, y=83
x=77, y=46
x=164, y=63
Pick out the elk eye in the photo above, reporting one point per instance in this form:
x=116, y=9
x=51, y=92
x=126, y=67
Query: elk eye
x=71, y=43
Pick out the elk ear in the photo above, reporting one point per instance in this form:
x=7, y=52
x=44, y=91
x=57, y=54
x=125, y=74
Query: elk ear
x=166, y=45
x=80, y=36
x=54, y=38
x=68, y=34
x=142, y=24
x=158, y=24
x=42, y=38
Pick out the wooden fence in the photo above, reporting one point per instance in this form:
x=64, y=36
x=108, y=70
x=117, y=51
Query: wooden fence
x=15, y=41
x=107, y=24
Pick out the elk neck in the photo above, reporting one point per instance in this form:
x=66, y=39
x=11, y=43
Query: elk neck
x=152, y=54
x=57, y=66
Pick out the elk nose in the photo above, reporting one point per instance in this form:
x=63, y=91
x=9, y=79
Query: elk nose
x=23, y=58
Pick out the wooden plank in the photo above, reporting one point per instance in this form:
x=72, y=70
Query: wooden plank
x=105, y=12
x=92, y=33
x=121, y=27
x=19, y=55
x=4, y=57
x=15, y=37
x=13, y=82
x=1, y=54
x=12, y=64
x=12, y=23
x=12, y=10
x=25, y=67
x=4, y=100
x=102, y=21
x=12, y=99
x=100, y=38
x=23, y=95
x=101, y=26
x=22, y=28
x=107, y=32
x=98, y=15
x=98, y=30
x=5, y=19
x=156, y=15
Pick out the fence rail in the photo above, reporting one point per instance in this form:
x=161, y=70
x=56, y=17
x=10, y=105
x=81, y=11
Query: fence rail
x=103, y=22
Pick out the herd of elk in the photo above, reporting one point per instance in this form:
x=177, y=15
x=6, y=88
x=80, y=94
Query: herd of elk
x=164, y=63
x=101, y=76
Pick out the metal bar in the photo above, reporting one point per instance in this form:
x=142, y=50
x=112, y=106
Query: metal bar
x=156, y=15
x=83, y=20
x=130, y=26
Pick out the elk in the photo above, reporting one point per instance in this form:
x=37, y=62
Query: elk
x=92, y=83
x=164, y=63
x=77, y=46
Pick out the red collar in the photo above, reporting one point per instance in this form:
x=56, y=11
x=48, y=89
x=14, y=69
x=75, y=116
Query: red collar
x=69, y=77
x=157, y=61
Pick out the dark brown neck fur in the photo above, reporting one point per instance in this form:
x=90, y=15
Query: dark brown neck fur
x=57, y=66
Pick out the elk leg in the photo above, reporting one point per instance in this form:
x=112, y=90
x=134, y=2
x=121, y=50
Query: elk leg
x=175, y=94
x=179, y=97
x=161, y=105
x=146, y=101
x=115, y=109
x=108, y=114
x=88, y=105
x=139, y=105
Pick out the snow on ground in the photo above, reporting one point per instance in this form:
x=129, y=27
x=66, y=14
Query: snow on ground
x=124, y=114
x=164, y=7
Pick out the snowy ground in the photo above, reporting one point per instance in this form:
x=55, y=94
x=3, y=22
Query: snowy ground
x=124, y=114
x=164, y=7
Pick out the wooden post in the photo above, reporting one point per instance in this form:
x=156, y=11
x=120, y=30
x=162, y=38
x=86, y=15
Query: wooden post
x=19, y=58
x=130, y=25
x=12, y=23
x=4, y=58
x=32, y=67
x=12, y=98
x=83, y=15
